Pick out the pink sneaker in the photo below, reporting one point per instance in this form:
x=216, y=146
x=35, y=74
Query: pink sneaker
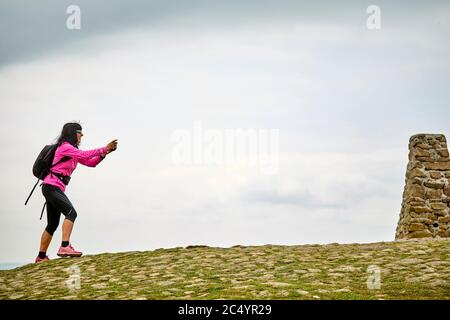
x=68, y=251
x=37, y=260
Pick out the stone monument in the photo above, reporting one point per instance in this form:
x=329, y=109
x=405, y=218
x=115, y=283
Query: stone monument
x=425, y=211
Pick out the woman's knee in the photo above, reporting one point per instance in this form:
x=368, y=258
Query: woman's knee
x=72, y=215
x=51, y=228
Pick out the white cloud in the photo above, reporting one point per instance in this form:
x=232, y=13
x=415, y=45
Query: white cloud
x=343, y=148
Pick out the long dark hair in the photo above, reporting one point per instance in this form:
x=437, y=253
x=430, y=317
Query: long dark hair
x=69, y=134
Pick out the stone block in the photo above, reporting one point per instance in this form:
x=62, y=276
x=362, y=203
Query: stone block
x=415, y=199
x=422, y=153
x=444, y=233
x=438, y=206
x=419, y=209
x=417, y=204
x=423, y=146
x=425, y=159
x=419, y=220
x=443, y=153
x=433, y=193
x=434, y=184
x=420, y=234
x=415, y=173
x=447, y=191
x=415, y=191
x=441, y=166
x=445, y=219
x=435, y=174
x=416, y=227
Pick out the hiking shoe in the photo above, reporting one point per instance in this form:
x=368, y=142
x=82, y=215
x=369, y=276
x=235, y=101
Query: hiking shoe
x=37, y=260
x=68, y=251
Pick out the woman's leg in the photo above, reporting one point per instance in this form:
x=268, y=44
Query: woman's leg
x=66, y=208
x=53, y=216
x=67, y=250
x=59, y=200
x=67, y=230
x=46, y=238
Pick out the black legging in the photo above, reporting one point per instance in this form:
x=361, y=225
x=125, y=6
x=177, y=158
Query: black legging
x=57, y=203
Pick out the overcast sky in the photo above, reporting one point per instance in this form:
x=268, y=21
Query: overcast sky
x=344, y=99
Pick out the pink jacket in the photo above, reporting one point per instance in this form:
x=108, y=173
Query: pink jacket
x=88, y=158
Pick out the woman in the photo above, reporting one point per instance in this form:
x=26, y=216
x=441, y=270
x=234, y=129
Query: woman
x=53, y=187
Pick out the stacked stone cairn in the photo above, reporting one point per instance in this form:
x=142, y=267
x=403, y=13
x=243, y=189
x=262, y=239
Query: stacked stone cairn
x=425, y=211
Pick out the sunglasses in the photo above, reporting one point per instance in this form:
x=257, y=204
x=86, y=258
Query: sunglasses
x=80, y=132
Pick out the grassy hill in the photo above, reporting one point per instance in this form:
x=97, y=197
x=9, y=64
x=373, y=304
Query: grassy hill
x=413, y=269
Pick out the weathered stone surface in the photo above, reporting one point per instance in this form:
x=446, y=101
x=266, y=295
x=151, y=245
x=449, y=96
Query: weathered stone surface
x=438, y=206
x=415, y=200
x=419, y=209
x=425, y=159
x=443, y=166
x=426, y=194
x=443, y=153
x=435, y=174
x=434, y=184
x=415, y=165
x=422, y=153
x=415, y=191
x=417, y=204
x=444, y=233
x=413, y=216
x=445, y=219
x=420, y=234
x=423, y=146
x=425, y=221
x=440, y=200
x=416, y=227
x=447, y=191
x=433, y=193
x=417, y=138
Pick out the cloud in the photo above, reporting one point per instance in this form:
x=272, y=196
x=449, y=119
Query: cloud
x=345, y=101
x=49, y=35
x=330, y=179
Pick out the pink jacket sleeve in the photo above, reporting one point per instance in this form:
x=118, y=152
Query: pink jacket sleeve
x=82, y=156
x=92, y=162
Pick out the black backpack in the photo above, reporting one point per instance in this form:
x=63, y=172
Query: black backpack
x=43, y=165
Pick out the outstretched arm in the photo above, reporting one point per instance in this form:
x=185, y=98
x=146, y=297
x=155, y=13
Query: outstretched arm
x=92, y=162
x=68, y=150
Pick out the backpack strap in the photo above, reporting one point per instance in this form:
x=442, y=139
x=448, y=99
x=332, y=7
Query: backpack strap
x=65, y=158
x=32, y=191
x=64, y=179
x=42, y=212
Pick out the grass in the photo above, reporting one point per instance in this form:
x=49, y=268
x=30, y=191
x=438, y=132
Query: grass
x=414, y=269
